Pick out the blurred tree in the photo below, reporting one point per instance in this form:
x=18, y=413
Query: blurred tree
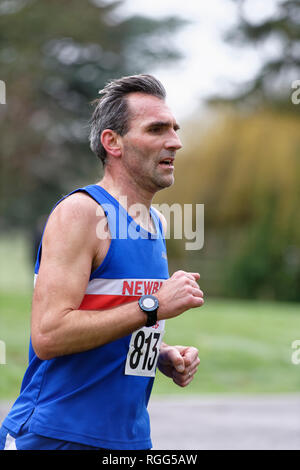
x=54, y=57
x=248, y=161
x=245, y=169
x=279, y=33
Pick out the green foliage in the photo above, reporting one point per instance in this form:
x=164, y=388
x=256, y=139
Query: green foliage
x=15, y=331
x=263, y=204
x=265, y=266
x=54, y=57
x=245, y=169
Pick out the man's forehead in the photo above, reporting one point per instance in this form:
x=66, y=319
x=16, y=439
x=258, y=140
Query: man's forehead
x=148, y=107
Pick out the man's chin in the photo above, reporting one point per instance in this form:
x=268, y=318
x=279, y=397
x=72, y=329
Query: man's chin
x=163, y=183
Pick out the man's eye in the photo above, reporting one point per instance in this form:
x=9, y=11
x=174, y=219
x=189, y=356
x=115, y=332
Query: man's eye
x=155, y=129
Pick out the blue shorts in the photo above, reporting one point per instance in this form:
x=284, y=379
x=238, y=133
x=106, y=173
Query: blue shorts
x=26, y=440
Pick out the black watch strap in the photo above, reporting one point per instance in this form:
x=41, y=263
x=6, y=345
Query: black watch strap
x=151, y=318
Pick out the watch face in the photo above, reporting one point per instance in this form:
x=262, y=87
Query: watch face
x=148, y=302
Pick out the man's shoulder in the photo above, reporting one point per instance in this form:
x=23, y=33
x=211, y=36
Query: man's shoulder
x=78, y=205
x=76, y=211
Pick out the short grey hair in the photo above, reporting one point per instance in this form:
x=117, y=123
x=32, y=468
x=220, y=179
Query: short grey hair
x=111, y=110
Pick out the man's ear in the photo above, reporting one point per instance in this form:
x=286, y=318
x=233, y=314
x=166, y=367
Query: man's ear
x=111, y=141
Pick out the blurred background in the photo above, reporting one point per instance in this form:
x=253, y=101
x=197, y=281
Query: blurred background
x=230, y=68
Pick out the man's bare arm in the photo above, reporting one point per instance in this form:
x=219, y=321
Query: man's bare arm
x=69, y=247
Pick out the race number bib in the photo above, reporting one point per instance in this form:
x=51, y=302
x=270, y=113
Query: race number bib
x=144, y=349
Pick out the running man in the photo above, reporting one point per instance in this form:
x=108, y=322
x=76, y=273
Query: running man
x=103, y=291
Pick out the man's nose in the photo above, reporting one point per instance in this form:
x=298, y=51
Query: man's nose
x=173, y=142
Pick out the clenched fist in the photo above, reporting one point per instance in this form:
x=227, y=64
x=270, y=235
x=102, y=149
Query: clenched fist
x=179, y=293
x=179, y=362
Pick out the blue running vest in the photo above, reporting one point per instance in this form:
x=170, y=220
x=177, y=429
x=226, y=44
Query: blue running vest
x=99, y=397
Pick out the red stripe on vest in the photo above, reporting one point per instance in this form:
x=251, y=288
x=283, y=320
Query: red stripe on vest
x=101, y=302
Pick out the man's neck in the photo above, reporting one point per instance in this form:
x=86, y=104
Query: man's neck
x=131, y=197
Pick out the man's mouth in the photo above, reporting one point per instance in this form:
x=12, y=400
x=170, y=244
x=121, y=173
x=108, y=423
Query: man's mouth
x=167, y=163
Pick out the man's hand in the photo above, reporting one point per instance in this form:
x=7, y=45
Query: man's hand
x=179, y=293
x=180, y=363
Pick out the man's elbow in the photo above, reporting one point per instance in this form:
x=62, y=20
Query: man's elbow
x=42, y=346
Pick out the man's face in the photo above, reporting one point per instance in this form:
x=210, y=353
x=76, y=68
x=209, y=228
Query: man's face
x=150, y=145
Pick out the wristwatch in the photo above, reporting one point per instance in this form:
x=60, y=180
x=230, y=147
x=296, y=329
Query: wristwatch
x=149, y=305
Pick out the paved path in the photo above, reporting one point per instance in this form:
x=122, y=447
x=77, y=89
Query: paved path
x=255, y=422
x=223, y=422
